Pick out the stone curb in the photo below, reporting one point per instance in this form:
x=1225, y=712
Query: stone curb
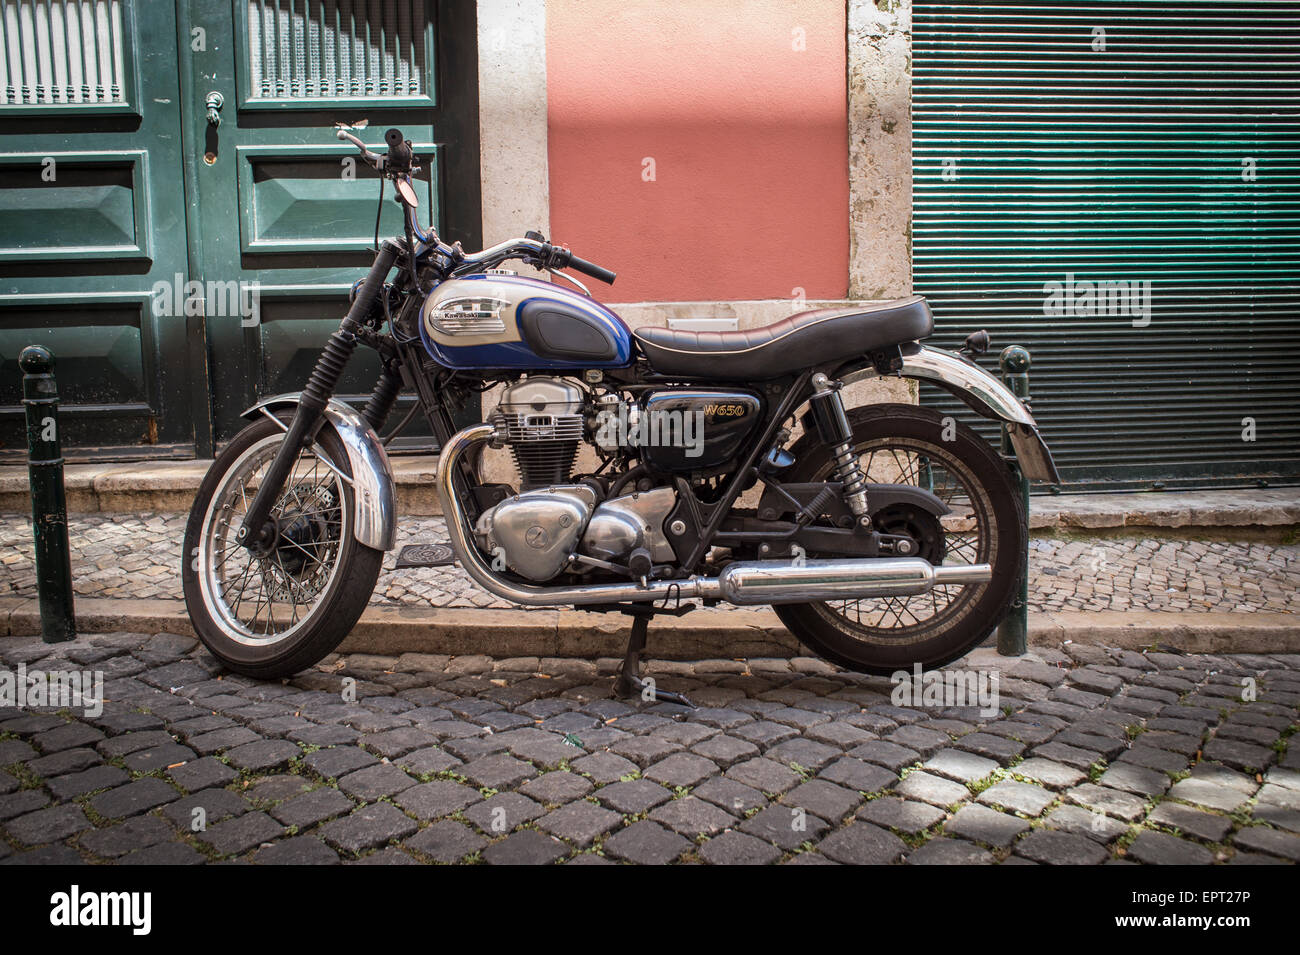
x=704, y=635
x=169, y=486
x=1276, y=508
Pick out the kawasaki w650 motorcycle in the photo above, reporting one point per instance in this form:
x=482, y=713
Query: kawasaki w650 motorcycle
x=884, y=536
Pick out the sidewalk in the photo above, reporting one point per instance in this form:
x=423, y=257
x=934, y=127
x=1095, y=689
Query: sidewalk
x=1139, y=585
x=162, y=486
x=1085, y=757
x=1205, y=571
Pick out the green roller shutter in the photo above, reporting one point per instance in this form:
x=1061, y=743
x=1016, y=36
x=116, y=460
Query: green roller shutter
x=1117, y=187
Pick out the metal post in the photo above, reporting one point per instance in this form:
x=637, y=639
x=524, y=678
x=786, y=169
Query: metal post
x=49, y=506
x=1013, y=633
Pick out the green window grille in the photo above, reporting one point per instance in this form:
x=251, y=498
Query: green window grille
x=62, y=52
x=335, y=49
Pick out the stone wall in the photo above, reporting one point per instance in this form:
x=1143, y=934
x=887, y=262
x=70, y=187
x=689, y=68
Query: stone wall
x=513, y=130
x=880, y=148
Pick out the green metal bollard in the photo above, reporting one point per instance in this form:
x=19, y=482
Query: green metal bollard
x=1013, y=632
x=49, y=506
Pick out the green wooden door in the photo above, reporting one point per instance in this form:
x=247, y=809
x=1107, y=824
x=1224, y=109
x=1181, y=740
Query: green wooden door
x=286, y=211
x=1117, y=186
x=93, y=224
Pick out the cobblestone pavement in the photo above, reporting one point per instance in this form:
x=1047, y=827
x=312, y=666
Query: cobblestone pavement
x=1092, y=757
x=139, y=556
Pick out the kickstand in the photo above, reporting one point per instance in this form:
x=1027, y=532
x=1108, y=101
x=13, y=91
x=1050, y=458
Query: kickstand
x=629, y=683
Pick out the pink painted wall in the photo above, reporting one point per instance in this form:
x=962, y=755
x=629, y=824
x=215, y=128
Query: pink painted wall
x=748, y=137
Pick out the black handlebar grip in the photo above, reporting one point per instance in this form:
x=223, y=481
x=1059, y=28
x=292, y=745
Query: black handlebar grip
x=399, y=153
x=591, y=269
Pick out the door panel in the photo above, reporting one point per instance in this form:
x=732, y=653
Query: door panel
x=69, y=53
x=99, y=206
x=294, y=199
x=286, y=208
x=92, y=224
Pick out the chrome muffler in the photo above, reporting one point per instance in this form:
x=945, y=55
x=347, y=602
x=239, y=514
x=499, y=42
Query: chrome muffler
x=787, y=582
x=746, y=583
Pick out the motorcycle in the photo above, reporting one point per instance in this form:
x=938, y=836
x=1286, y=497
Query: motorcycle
x=883, y=536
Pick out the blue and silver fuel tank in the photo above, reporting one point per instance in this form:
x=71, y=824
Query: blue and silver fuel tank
x=507, y=321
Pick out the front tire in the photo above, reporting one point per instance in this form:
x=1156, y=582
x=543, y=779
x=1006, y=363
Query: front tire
x=275, y=614
x=899, y=443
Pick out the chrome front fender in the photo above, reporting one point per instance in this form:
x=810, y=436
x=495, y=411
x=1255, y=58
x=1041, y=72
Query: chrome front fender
x=985, y=395
x=374, y=492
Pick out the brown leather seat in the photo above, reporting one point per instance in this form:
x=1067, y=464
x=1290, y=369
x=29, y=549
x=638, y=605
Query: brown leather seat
x=792, y=344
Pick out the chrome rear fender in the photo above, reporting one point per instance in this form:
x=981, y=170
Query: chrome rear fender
x=985, y=395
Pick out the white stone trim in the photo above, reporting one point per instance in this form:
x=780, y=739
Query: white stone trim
x=880, y=148
x=512, y=118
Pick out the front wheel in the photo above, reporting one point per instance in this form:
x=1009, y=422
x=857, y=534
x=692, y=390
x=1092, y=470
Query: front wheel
x=276, y=612
x=905, y=444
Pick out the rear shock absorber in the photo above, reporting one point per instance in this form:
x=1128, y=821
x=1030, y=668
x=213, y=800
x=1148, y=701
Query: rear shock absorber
x=834, y=428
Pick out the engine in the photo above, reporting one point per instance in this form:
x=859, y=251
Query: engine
x=538, y=532
x=542, y=419
x=673, y=430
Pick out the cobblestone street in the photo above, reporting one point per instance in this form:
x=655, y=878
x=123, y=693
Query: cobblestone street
x=140, y=556
x=1091, y=756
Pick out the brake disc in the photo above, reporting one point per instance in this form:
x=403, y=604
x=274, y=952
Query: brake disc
x=307, y=525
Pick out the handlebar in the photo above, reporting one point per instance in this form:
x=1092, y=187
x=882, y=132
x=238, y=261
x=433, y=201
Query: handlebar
x=373, y=159
x=566, y=259
x=400, y=157
x=535, y=251
x=399, y=163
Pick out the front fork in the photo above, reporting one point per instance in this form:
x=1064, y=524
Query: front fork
x=258, y=531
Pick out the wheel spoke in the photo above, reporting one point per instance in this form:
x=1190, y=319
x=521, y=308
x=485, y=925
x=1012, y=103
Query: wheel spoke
x=266, y=596
x=965, y=534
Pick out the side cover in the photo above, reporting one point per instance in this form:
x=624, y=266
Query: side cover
x=688, y=429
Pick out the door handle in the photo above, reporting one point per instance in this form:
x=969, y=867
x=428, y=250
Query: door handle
x=214, y=102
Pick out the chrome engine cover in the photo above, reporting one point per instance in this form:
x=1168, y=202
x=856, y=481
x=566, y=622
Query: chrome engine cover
x=537, y=531
x=625, y=523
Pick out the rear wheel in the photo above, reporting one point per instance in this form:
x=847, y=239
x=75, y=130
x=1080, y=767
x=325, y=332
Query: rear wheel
x=273, y=613
x=904, y=444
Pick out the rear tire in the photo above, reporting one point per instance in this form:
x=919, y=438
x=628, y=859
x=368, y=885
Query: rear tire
x=999, y=515
x=254, y=648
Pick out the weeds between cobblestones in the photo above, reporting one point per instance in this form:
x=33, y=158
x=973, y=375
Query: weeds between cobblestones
x=138, y=556
x=1095, y=757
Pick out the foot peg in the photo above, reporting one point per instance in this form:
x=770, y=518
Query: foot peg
x=629, y=684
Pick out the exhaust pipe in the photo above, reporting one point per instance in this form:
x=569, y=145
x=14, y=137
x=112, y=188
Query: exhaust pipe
x=784, y=582
x=746, y=583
